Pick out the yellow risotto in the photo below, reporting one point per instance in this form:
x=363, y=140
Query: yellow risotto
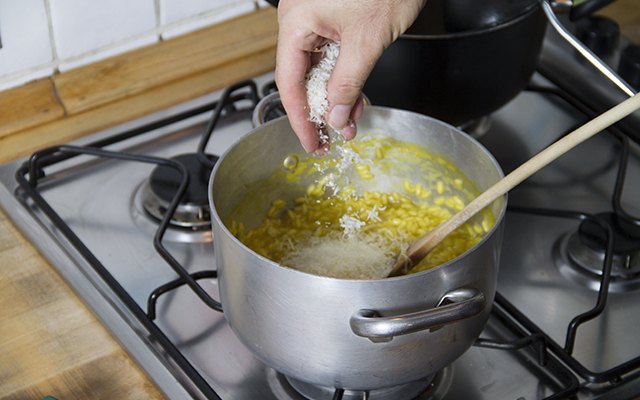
x=364, y=203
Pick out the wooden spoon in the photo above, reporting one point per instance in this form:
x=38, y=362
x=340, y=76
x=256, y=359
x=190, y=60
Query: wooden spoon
x=424, y=244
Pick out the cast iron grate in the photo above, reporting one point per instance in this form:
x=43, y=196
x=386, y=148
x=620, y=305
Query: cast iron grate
x=29, y=174
x=549, y=355
x=617, y=373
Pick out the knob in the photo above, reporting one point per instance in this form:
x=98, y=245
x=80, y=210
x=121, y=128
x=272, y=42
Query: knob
x=600, y=34
x=629, y=67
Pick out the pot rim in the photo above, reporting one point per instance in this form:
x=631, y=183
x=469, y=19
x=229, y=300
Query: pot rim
x=474, y=32
x=214, y=214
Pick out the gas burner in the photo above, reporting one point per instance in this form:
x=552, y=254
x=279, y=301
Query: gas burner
x=193, y=210
x=477, y=128
x=584, y=253
x=433, y=387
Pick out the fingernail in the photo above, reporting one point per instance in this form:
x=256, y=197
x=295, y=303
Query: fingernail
x=322, y=150
x=339, y=116
x=349, y=131
x=357, y=111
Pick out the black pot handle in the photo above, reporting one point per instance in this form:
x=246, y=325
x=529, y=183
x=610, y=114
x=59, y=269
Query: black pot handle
x=584, y=8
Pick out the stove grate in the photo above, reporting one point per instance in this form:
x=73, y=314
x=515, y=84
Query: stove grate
x=616, y=374
x=550, y=356
x=29, y=174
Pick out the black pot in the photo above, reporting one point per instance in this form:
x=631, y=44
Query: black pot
x=463, y=59
x=457, y=76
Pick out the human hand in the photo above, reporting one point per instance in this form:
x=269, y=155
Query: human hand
x=363, y=29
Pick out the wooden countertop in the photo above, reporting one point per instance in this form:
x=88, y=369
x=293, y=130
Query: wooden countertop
x=50, y=343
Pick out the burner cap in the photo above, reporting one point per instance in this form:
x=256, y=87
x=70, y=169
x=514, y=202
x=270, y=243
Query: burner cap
x=164, y=180
x=193, y=210
x=626, y=236
x=587, y=247
x=433, y=387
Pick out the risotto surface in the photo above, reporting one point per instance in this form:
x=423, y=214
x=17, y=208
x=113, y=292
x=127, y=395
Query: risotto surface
x=363, y=205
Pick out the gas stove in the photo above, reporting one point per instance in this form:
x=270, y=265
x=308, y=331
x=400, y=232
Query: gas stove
x=104, y=212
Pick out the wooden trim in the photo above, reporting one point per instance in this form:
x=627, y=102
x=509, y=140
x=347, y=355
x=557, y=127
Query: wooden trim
x=131, y=85
x=148, y=67
x=75, y=126
x=27, y=106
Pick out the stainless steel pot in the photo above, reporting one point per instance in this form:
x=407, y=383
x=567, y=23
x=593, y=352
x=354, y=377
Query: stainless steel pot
x=351, y=334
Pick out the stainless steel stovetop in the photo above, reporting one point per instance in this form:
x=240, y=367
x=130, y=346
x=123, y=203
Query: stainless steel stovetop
x=100, y=201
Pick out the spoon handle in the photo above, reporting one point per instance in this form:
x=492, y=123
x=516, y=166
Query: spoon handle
x=424, y=244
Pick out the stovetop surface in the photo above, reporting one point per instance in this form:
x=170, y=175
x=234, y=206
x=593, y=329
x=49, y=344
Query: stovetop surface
x=99, y=200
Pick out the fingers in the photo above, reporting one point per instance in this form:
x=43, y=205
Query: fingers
x=356, y=60
x=363, y=28
x=349, y=131
x=292, y=64
x=290, y=81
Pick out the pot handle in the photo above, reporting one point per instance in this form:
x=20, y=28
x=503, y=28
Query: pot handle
x=584, y=51
x=454, y=306
x=264, y=107
x=584, y=8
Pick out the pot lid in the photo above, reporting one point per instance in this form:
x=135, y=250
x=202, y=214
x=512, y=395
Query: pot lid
x=454, y=16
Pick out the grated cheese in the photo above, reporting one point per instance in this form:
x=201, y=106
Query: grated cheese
x=350, y=225
x=316, y=85
x=372, y=215
x=361, y=257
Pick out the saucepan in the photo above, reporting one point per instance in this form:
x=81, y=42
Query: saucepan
x=350, y=333
x=464, y=59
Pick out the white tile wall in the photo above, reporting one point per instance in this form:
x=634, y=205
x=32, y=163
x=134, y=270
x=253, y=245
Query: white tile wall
x=26, y=47
x=176, y=10
x=182, y=16
x=83, y=27
x=42, y=37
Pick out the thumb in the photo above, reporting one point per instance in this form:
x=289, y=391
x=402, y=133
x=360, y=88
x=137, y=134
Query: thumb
x=353, y=66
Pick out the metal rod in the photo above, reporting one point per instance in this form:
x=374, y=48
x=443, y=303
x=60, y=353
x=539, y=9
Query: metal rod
x=549, y=364
x=603, y=292
x=35, y=172
x=536, y=340
x=225, y=101
x=619, y=185
x=585, y=52
x=152, y=300
x=609, y=375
